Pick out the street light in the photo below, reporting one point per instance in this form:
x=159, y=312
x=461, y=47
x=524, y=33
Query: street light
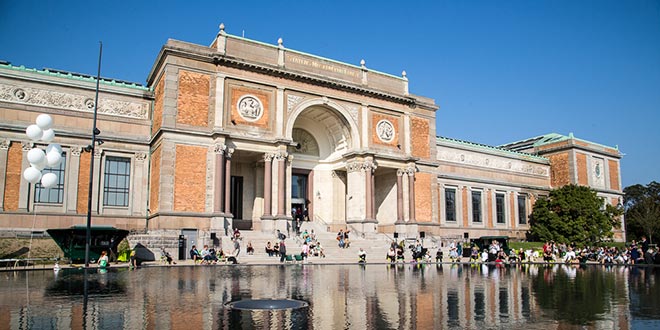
x=90, y=148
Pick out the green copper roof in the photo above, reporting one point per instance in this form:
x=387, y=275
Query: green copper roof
x=549, y=139
x=73, y=76
x=492, y=148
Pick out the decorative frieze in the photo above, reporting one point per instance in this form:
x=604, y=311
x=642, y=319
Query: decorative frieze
x=490, y=161
x=70, y=101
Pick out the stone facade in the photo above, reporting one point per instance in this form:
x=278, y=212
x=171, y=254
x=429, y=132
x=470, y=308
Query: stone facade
x=242, y=133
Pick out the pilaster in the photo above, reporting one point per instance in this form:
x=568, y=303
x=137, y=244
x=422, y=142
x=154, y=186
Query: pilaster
x=98, y=153
x=139, y=184
x=24, y=190
x=356, y=199
x=73, y=172
x=219, y=115
x=4, y=149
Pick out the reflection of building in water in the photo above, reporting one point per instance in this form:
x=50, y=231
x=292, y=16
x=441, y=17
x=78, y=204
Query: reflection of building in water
x=404, y=296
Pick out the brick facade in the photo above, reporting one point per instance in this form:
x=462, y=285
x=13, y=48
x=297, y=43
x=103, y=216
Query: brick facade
x=190, y=178
x=582, y=169
x=83, y=183
x=560, y=172
x=158, y=106
x=154, y=190
x=193, y=99
x=423, y=199
x=614, y=174
x=13, y=177
x=420, y=138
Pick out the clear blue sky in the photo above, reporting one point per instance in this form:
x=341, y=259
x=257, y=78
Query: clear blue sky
x=500, y=71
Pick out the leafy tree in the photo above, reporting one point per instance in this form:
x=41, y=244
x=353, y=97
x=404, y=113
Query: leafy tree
x=573, y=213
x=642, y=204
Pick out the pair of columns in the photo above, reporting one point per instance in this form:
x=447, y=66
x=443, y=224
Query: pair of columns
x=281, y=158
x=221, y=201
x=410, y=172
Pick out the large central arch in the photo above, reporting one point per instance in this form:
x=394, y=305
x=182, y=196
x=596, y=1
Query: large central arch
x=331, y=131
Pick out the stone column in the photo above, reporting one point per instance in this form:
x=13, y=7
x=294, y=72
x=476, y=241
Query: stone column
x=227, y=181
x=356, y=200
x=281, y=167
x=4, y=149
x=268, y=186
x=399, y=195
x=411, y=193
x=368, y=177
x=219, y=196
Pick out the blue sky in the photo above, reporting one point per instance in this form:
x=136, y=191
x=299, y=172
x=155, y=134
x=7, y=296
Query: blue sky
x=500, y=71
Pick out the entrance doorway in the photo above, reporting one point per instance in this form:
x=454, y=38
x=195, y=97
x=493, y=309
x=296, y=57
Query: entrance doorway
x=299, y=196
x=236, y=197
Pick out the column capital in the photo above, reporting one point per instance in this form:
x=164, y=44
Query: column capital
x=282, y=155
x=411, y=170
x=4, y=144
x=354, y=167
x=27, y=145
x=268, y=157
x=219, y=148
x=98, y=152
x=140, y=156
x=400, y=171
x=369, y=166
x=76, y=151
x=229, y=152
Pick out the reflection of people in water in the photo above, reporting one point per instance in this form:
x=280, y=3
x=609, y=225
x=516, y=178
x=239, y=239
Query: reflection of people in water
x=103, y=260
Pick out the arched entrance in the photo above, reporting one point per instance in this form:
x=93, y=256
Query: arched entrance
x=323, y=132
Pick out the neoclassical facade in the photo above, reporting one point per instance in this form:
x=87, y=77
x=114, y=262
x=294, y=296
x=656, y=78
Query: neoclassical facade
x=242, y=133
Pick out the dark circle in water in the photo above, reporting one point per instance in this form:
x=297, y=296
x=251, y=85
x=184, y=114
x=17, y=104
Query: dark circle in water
x=267, y=304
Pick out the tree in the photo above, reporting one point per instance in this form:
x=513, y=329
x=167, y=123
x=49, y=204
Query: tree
x=573, y=213
x=642, y=204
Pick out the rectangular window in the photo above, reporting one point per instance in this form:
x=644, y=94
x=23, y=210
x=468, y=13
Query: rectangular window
x=53, y=195
x=522, y=209
x=116, y=181
x=499, y=205
x=450, y=204
x=476, y=206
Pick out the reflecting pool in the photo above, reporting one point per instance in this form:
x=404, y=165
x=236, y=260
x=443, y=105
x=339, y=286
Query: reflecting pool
x=375, y=296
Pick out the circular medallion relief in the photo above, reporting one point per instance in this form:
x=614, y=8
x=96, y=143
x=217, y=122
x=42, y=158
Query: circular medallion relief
x=597, y=170
x=250, y=108
x=385, y=130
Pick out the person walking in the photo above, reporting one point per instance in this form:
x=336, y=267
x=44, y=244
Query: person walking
x=282, y=251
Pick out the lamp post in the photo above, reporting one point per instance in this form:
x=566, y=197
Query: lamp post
x=90, y=148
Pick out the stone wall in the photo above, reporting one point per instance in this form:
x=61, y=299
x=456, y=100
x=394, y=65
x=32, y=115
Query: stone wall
x=419, y=133
x=423, y=199
x=560, y=174
x=582, y=170
x=614, y=174
x=154, y=189
x=158, y=106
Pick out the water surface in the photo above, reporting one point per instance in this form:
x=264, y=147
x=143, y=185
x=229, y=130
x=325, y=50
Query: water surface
x=404, y=296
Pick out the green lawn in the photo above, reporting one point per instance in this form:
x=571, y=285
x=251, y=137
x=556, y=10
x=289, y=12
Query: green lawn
x=526, y=245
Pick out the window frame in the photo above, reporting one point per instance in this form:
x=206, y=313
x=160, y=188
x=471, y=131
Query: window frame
x=522, y=216
x=453, y=202
x=59, y=189
x=109, y=190
x=477, y=217
x=500, y=212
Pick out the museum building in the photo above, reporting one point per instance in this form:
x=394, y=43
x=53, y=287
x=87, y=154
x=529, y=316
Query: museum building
x=243, y=133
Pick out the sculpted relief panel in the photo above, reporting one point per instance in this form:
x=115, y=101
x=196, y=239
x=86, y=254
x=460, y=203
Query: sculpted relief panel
x=70, y=101
x=491, y=161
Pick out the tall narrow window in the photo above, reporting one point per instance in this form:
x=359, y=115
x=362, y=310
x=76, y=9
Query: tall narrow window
x=450, y=204
x=499, y=205
x=522, y=209
x=476, y=206
x=53, y=195
x=116, y=181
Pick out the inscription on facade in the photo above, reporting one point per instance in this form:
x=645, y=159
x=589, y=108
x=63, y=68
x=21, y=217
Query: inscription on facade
x=322, y=66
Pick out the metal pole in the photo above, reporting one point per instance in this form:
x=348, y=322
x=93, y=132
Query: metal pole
x=88, y=239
